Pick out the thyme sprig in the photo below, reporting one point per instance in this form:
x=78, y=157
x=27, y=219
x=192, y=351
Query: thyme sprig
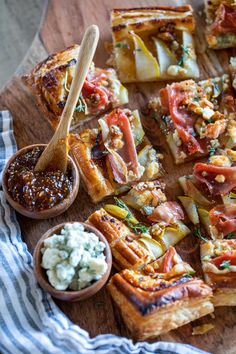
x=225, y=264
x=197, y=233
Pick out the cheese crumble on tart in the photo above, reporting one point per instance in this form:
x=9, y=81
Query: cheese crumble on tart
x=155, y=43
x=160, y=297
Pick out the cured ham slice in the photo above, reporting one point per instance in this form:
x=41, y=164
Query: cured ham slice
x=207, y=174
x=223, y=217
x=167, y=213
x=225, y=21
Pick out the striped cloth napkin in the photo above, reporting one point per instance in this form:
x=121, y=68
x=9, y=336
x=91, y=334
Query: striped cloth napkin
x=30, y=322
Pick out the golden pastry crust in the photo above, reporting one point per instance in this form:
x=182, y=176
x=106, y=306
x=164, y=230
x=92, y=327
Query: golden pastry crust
x=148, y=43
x=155, y=303
x=209, y=108
x=50, y=81
x=219, y=273
x=112, y=157
x=218, y=40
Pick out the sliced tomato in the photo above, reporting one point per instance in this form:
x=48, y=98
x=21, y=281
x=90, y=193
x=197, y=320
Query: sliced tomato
x=167, y=212
x=223, y=217
x=128, y=152
x=206, y=174
x=225, y=21
x=225, y=257
x=183, y=121
x=95, y=96
x=168, y=261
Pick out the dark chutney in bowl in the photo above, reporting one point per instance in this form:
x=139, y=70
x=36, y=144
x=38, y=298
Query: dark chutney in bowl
x=36, y=191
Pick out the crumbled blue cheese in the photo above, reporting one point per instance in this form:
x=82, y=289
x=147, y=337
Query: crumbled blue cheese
x=74, y=258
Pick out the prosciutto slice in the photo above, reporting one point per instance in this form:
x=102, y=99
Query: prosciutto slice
x=206, y=174
x=225, y=21
x=223, y=217
x=183, y=121
x=123, y=161
x=167, y=213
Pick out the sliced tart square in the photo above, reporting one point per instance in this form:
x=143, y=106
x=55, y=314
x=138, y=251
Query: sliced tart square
x=136, y=241
x=219, y=267
x=50, y=83
x=196, y=117
x=156, y=43
x=161, y=297
x=115, y=155
x=221, y=23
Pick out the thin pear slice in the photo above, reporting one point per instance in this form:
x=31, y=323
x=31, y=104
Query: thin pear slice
x=229, y=198
x=190, y=208
x=164, y=55
x=171, y=235
x=120, y=213
x=205, y=220
x=147, y=68
x=152, y=246
x=191, y=191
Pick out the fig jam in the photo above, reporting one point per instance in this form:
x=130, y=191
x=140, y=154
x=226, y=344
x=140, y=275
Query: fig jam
x=37, y=191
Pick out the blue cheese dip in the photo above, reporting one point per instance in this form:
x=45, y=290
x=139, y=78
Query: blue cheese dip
x=73, y=259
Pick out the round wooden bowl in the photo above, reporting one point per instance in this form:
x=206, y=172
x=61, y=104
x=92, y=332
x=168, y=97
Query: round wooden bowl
x=48, y=213
x=70, y=295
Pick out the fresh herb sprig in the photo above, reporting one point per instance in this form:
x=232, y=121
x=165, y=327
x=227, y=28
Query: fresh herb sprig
x=122, y=45
x=211, y=151
x=185, y=55
x=197, y=233
x=225, y=264
x=230, y=236
x=80, y=105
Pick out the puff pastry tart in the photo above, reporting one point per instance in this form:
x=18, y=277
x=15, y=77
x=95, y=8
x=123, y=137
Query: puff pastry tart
x=50, y=83
x=155, y=43
x=219, y=266
x=221, y=20
x=134, y=243
x=196, y=117
x=161, y=297
x=115, y=155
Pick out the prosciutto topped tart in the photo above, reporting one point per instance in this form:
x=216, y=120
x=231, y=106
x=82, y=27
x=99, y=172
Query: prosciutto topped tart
x=221, y=20
x=135, y=243
x=115, y=155
x=50, y=83
x=160, y=297
x=219, y=266
x=154, y=43
x=196, y=117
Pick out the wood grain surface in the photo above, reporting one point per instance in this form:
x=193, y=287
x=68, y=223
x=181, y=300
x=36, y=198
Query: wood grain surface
x=64, y=24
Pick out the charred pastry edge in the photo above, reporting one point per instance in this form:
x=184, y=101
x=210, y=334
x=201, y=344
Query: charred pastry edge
x=161, y=319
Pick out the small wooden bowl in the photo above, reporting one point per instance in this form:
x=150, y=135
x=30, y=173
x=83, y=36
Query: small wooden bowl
x=48, y=213
x=70, y=295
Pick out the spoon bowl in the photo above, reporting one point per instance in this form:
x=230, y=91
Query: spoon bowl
x=70, y=295
x=47, y=213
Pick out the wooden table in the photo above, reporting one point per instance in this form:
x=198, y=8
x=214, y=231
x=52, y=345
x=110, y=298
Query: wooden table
x=63, y=24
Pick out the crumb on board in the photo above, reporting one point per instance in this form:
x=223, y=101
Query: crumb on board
x=202, y=329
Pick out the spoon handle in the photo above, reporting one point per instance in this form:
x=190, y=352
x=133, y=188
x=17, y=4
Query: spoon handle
x=56, y=153
x=85, y=57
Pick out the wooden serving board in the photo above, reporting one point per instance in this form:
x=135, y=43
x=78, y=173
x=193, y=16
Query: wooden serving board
x=64, y=24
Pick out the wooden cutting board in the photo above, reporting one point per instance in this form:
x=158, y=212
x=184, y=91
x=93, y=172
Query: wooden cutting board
x=63, y=24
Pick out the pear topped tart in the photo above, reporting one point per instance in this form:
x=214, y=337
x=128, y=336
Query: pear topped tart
x=134, y=243
x=221, y=21
x=50, y=83
x=115, y=155
x=155, y=43
x=219, y=266
x=196, y=118
x=160, y=297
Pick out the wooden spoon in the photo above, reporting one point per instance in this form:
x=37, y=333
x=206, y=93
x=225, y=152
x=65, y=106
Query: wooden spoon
x=55, y=156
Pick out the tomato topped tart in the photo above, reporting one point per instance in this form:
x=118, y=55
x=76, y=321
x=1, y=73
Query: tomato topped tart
x=135, y=243
x=50, y=83
x=221, y=23
x=115, y=155
x=154, y=43
x=196, y=117
x=219, y=266
x=162, y=296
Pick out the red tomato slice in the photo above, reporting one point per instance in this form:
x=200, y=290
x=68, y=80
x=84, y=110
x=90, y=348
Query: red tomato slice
x=225, y=257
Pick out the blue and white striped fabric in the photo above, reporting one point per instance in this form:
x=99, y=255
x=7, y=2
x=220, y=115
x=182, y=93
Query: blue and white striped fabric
x=30, y=322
